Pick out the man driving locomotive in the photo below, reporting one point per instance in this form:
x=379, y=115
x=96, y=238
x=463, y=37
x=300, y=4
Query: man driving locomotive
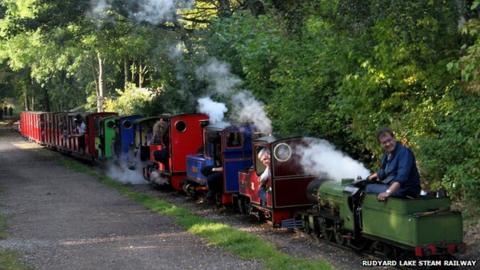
x=398, y=172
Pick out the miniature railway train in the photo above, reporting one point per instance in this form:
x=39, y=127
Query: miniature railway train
x=338, y=211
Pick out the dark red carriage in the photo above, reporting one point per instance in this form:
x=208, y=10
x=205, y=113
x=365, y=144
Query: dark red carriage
x=285, y=188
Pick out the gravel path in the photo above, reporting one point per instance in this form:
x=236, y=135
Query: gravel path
x=61, y=219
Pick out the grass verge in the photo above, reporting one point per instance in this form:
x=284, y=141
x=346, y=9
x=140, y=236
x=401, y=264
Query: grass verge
x=10, y=260
x=239, y=243
x=3, y=227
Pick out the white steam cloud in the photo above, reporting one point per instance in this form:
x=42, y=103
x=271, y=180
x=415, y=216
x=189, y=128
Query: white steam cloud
x=248, y=109
x=218, y=74
x=245, y=107
x=215, y=110
x=320, y=158
x=98, y=9
x=151, y=11
x=157, y=11
x=123, y=173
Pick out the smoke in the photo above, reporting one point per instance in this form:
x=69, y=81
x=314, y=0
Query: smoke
x=98, y=9
x=219, y=77
x=127, y=169
x=151, y=11
x=320, y=158
x=157, y=11
x=123, y=173
x=248, y=109
x=245, y=107
x=215, y=110
x=175, y=51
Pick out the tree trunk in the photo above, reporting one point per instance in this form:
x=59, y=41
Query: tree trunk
x=141, y=73
x=132, y=71
x=101, y=83
x=26, y=99
x=32, y=96
x=140, y=77
x=46, y=100
x=125, y=73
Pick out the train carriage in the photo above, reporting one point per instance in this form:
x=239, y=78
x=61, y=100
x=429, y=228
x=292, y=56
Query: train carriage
x=32, y=126
x=49, y=129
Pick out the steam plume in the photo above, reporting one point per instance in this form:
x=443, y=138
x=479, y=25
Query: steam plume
x=245, y=107
x=248, y=109
x=157, y=11
x=122, y=173
x=215, y=110
x=151, y=11
x=218, y=74
x=320, y=158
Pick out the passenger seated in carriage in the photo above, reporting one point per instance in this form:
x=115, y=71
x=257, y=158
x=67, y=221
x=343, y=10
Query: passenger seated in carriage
x=398, y=172
x=80, y=129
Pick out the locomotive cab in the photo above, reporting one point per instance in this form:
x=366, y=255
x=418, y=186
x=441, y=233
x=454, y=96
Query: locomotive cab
x=106, y=136
x=143, y=135
x=124, y=142
x=229, y=150
x=283, y=191
x=93, y=134
x=173, y=149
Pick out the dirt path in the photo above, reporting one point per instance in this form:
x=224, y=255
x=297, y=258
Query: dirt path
x=60, y=219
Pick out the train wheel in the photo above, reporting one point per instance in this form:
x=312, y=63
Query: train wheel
x=325, y=230
x=218, y=199
x=339, y=239
x=306, y=224
x=241, y=206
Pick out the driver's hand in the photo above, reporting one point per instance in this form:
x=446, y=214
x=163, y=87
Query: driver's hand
x=372, y=177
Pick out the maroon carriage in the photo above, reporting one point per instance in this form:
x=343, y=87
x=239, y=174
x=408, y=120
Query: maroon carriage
x=284, y=191
x=64, y=136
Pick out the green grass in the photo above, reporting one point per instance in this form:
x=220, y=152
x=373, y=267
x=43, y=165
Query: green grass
x=3, y=227
x=10, y=260
x=242, y=244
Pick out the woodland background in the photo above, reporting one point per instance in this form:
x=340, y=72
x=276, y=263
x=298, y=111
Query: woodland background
x=334, y=69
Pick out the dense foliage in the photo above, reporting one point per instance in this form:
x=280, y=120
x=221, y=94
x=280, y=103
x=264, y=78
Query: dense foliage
x=332, y=69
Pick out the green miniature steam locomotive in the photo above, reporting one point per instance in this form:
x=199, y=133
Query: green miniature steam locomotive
x=397, y=228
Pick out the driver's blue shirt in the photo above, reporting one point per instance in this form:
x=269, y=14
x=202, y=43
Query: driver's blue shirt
x=400, y=167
